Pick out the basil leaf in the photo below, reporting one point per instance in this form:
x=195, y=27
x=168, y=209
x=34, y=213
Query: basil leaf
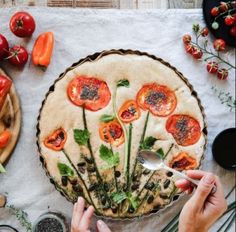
x=118, y=197
x=65, y=170
x=124, y=83
x=2, y=169
x=160, y=153
x=148, y=143
x=134, y=201
x=106, y=118
x=107, y=155
x=81, y=136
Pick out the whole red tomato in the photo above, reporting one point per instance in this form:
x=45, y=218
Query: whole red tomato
x=222, y=74
x=212, y=67
x=3, y=47
x=204, y=32
x=189, y=48
x=229, y=20
x=187, y=39
x=233, y=31
x=219, y=45
x=18, y=56
x=22, y=24
x=215, y=11
x=223, y=7
x=197, y=53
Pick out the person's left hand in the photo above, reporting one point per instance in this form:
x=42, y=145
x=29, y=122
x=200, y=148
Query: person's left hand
x=81, y=218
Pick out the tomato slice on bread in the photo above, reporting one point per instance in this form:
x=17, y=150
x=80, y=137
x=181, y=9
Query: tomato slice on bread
x=5, y=86
x=5, y=138
x=129, y=111
x=185, y=129
x=91, y=93
x=112, y=132
x=158, y=99
x=183, y=162
x=56, y=140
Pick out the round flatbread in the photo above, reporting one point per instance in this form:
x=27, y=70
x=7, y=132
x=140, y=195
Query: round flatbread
x=101, y=112
x=10, y=118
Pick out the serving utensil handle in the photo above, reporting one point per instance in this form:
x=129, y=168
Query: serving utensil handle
x=180, y=174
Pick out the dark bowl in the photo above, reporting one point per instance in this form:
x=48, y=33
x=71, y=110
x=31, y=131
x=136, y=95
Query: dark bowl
x=224, y=149
x=223, y=31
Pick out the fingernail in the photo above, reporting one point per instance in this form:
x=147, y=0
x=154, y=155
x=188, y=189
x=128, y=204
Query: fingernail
x=209, y=179
x=102, y=225
x=80, y=199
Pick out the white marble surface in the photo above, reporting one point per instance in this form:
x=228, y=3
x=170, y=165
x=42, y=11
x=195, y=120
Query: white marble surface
x=79, y=33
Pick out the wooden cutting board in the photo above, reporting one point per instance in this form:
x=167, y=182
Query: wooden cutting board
x=13, y=121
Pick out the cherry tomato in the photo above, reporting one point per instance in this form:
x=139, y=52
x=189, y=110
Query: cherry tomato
x=219, y=45
x=129, y=111
x=158, y=99
x=89, y=92
x=189, y=48
x=233, y=4
x=204, y=32
x=22, y=24
x=222, y=74
x=4, y=47
x=233, y=31
x=56, y=140
x=223, y=7
x=185, y=129
x=197, y=53
x=183, y=162
x=215, y=11
x=229, y=20
x=5, y=137
x=187, y=39
x=5, y=86
x=212, y=67
x=111, y=132
x=18, y=55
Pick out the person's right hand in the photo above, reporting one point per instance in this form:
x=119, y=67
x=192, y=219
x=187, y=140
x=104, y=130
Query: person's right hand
x=203, y=208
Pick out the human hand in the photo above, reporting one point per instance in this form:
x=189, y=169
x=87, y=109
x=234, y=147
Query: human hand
x=203, y=208
x=81, y=218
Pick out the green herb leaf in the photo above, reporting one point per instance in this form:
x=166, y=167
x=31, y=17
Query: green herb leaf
x=160, y=153
x=148, y=143
x=124, y=83
x=107, y=155
x=81, y=136
x=106, y=118
x=2, y=169
x=118, y=197
x=65, y=170
x=134, y=201
x=196, y=28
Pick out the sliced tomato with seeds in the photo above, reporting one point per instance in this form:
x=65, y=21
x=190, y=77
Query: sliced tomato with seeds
x=89, y=92
x=5, y=86
x=129, y=111
x=185, y=129
x=158, y=99
x=56, y=140
x=112, y=132
x=183, y=162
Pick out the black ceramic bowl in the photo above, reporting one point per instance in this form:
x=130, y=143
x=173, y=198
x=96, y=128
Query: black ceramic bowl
x=224, y=149
x=223, y=31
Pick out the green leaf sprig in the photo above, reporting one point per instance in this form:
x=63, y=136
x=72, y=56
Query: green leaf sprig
x=2, y=169
x=106, y=118
x=65, y=170
x=106, y=154
x=147, y=143
x=81, y=136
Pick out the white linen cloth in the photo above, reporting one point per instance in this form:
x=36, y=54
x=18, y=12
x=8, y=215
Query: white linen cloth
x=79, y=33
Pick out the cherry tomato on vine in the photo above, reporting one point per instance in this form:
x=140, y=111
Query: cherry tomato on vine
x=187, y=39
x=219, y=45
x=18, y=55
x=3, y=47
x=232, y=31
x=22, y=24
x=215, y=11
x=197, y=53
x=204, y=32
x=222, y=74
x=223, y=7
x=212, y=67
x=229, y=20
x=189, y=48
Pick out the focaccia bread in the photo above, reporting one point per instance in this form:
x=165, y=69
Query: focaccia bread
x=10, y=117
x=101, y=112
